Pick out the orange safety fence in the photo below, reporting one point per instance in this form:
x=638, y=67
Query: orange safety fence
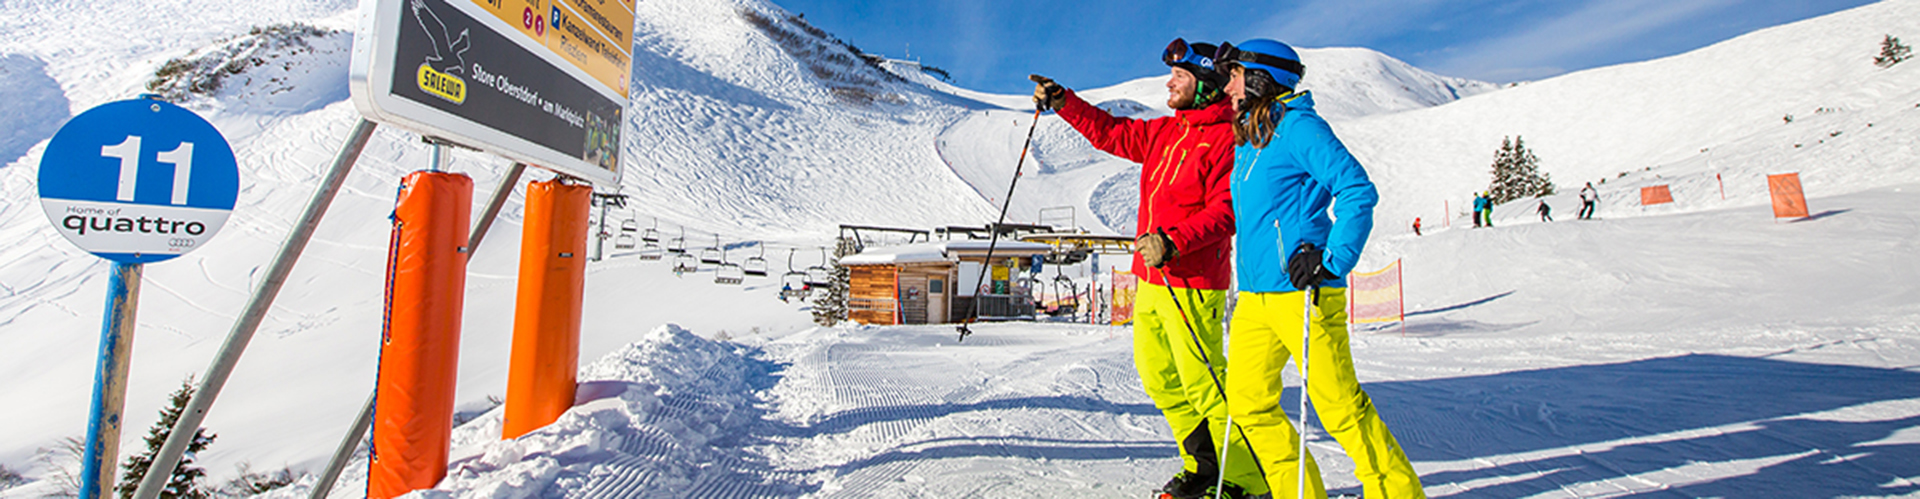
x=1376, y=296
x=420, y=348
x=1653, y=195
x=546, y=315
x=1788, y=201
x=1124, y=286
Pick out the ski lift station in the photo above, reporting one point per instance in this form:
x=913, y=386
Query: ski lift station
x=934, y=282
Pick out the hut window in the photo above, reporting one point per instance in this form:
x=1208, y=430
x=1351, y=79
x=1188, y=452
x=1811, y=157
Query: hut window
x=936, y=286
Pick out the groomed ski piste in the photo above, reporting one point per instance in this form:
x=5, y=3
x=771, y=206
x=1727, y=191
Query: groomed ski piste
x=1694, y=349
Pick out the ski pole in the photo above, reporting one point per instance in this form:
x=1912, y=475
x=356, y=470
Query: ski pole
x=1310, y=298
x=993, y=232
x=1201, y=348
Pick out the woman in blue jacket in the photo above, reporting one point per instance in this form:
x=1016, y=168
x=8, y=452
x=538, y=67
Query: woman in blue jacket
x=1288, y=169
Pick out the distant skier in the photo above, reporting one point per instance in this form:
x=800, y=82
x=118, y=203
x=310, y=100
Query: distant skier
x=1545, y=212
x=1416, y=226
x=1588, y=197
x=1289, y=168
x=1185, y=226
x=1479, y=209
x=1486, y=209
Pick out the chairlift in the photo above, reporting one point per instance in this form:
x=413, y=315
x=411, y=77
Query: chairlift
x=678, y=245
x=624, y=240
x=629, y=225
x=793, y=284
x=652, y=235
x=821, y=275
x=685, y=263
x=756, y=266
x=728, y=272
x=652, y=251
x=713, y=255
x=1069, y=302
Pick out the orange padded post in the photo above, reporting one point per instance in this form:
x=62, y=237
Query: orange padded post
x=420, y=348
x=546, y=316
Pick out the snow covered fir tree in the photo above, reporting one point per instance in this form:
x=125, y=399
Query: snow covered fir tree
x=1516, y=173
x=185, y=482
x=830, y=305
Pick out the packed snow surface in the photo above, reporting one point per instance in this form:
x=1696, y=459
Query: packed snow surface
x=1698, y=348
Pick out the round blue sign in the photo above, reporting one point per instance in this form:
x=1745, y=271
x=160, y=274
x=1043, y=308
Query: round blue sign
x=138, y=181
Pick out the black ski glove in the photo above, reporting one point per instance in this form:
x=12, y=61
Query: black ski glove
x=1047, y=95
x=1304, y=268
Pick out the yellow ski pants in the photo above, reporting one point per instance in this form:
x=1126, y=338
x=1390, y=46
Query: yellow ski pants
x=1267, y=332
x=1174, y=375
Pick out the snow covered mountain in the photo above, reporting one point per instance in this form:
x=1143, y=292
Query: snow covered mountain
x=751, y=125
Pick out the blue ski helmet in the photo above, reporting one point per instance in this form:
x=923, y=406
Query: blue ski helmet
x=1277, y=59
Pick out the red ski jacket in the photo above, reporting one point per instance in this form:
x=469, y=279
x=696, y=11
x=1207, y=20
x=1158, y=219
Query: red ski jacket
x=1186, y=162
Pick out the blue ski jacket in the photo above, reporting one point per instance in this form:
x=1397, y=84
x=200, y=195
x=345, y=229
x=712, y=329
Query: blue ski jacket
x=1281, y=194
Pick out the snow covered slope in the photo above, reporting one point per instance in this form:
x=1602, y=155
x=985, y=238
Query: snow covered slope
x=1563, y=360
x=1721, y=109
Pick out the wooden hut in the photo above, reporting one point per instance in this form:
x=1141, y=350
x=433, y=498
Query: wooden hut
x=933, y=282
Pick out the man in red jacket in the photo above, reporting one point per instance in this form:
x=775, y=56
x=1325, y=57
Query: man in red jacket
x=1182, y=258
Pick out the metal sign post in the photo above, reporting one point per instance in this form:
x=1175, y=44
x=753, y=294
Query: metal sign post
x=134, y=182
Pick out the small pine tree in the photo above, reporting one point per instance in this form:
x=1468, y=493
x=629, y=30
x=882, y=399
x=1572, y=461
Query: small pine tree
x=1892, y=52
x=185, y=482
x=10, y=478
x=1516, y=173
x=830, y=307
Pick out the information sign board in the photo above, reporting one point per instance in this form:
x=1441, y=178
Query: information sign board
x=542, y=82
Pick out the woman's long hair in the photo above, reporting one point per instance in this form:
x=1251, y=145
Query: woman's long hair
x=1258, y=114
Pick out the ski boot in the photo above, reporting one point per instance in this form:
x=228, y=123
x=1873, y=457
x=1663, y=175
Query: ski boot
x=1186, y=485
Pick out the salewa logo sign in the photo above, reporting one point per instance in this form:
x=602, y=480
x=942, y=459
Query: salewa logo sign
x=442, y=85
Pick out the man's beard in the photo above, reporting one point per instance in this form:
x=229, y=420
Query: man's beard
x=1180, y=101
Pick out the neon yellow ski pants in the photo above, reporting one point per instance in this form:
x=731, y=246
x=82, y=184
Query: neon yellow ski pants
x=1266, y=332
x=1174, y=375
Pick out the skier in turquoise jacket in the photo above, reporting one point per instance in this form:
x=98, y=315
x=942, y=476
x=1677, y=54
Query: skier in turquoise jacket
x=1288, y=170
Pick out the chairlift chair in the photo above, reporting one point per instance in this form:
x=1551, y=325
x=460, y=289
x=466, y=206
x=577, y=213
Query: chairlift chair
x=678, y=245
x=629, y=225
x=728, y=272
x=685, y=263
x=793, y=284
x=756, y=266
x=652, y=235
x=652, y=251
x=1069, y=302
x=713, y=255
x=821, y=275
x=624, y=240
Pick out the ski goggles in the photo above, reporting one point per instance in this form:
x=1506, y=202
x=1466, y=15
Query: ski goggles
x=1230, y=55
x=1179, y=52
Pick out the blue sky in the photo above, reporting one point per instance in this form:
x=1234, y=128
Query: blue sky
x=991, y=45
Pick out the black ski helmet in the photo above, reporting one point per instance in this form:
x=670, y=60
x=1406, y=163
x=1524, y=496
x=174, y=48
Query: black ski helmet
x=1197, y=58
